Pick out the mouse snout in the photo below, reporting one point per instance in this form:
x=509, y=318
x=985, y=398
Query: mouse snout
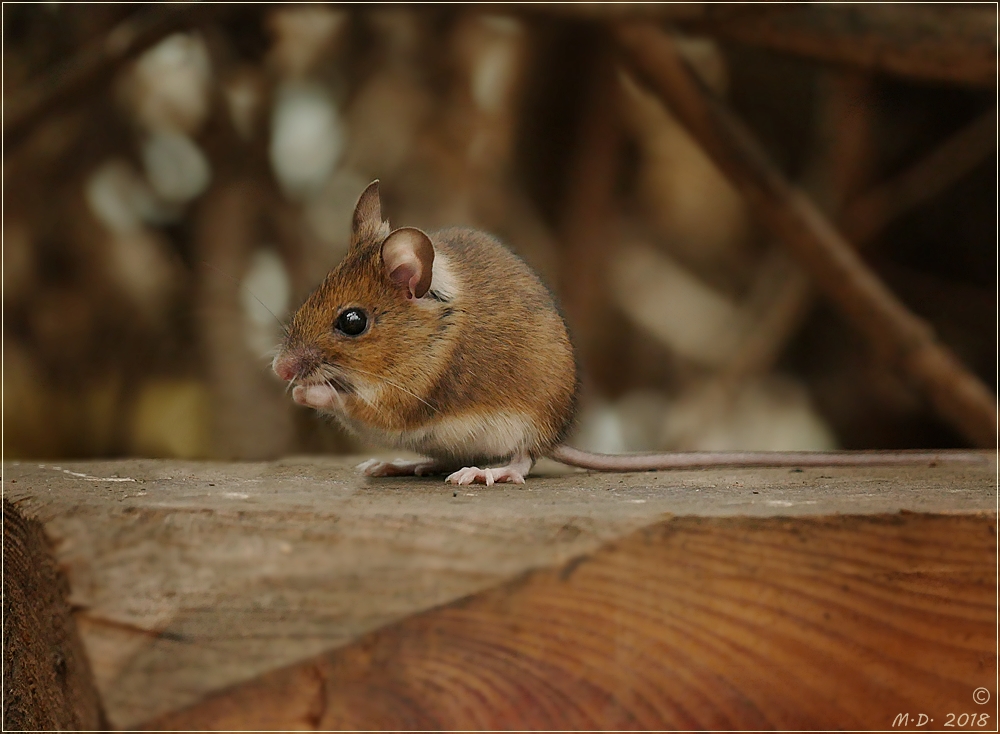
x=293, y=365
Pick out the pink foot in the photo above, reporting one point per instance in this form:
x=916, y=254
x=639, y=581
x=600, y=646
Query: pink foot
x=398, y=468
x=513, y=473
x=475, y=475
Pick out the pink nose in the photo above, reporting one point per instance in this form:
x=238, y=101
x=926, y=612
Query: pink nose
x=296, y=362
x=287, y=366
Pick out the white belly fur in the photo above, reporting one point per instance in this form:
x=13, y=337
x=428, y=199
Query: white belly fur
x=488, y=435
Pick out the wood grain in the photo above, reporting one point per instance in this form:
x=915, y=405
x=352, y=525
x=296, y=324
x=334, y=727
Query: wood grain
x=692, y=623
x=47, y=683
x=189, y=577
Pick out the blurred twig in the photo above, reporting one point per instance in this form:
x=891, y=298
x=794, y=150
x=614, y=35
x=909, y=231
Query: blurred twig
x=841, y=170
x=785, y=290
x=941, y=42
x=76, y=79
x=587, y=219
x=866, y=216
x=838, y=271
x=862, y=221
x=251, y=418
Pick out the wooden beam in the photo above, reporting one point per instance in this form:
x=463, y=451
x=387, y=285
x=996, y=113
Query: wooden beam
x=691, y=623
x=186, y=578
x=943, y=43
x=833, y=263
x=940, y=43
x=47, y=684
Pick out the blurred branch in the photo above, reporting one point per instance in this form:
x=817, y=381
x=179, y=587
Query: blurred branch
x=937, y=42
x=94, y=66
x=868, y=215
x=587, y=219
x=863, y=220
x=788, y=292
x=841, y=168
x=948, y=43
x=674, y=12
x=959, y=396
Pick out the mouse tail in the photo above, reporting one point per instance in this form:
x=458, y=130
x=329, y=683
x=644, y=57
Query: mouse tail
x=707, y=459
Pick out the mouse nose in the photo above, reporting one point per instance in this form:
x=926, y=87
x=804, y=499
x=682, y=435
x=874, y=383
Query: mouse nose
x=289, y=366
x=284, y=367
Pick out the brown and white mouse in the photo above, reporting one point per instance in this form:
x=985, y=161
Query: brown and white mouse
x=450, y=346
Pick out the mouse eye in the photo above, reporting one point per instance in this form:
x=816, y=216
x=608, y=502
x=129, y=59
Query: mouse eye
x=351, y=322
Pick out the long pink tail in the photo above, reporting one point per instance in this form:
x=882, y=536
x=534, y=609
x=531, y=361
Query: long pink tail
x=695, y=459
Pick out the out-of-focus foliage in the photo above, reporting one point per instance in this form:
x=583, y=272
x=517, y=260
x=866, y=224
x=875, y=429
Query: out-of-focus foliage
x=157, y=232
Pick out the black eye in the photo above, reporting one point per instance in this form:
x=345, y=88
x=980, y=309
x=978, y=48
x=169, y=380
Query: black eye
x=352, y=322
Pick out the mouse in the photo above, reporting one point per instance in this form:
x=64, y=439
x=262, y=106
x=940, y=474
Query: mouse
x=449, y=345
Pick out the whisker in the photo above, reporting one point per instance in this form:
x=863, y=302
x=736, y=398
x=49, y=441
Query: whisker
x=252, y=294
x=393, y=384
x=327, y=376
x=265, y=368
x=340, y=397
x=340, y=400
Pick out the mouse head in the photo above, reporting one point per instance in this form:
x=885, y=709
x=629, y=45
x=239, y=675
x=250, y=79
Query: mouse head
x=365, y=342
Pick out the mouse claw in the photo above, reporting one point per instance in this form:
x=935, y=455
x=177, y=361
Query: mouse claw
x=460, y=477
x=489, y=477
x=366, y=466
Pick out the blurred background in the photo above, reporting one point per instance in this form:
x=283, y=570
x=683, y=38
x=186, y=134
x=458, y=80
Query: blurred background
x=167, y=166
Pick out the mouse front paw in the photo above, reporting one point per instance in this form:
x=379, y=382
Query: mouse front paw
x=397, y=468
x=475, y=475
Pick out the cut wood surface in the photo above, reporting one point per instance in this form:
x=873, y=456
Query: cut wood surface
x=46, y=681
x=187, y=577
x=766, y=623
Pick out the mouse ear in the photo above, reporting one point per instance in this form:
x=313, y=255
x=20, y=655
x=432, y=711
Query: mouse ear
x=408, y=256
x=367, y=212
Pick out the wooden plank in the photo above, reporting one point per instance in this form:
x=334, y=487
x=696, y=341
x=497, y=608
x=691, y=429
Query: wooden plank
x=942, y=43
x=46, y=681
x=187, y=577
x=693, y=623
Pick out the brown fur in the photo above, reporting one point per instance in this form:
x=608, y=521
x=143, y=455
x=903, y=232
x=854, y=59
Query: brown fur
x=497, y=347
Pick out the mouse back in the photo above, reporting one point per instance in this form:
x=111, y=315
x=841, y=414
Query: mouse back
x=514, y=356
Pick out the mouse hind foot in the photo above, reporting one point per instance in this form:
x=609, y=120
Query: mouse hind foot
x=400, y=468
x=514, y=473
